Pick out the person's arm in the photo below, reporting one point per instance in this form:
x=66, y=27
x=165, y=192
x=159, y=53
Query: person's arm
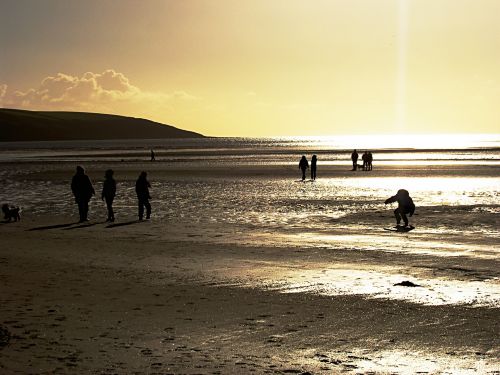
x=412, y=207
x=391, y=199
x=92, y=191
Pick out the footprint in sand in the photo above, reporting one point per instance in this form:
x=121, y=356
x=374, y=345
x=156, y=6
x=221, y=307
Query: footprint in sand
x=146, y=352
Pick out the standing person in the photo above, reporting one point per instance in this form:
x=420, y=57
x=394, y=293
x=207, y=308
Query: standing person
x=303, y=165
x=405, y=206
x=109, y=192
x=370, y=160
x=354, y=158
x=152, y=155
x=142, y=189
x=364, y=157
x=314, y=160
x=82, y=190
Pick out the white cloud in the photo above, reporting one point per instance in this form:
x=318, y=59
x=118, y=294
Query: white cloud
x=3, y=91
x=109, y=91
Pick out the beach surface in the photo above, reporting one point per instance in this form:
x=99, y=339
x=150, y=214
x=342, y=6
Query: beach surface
x=245, y=269
x=82, y=299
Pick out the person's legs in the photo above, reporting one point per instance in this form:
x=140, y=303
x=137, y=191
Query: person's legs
x=303, y=174
x=148, y=208
x=398, y=216
x=81, y=209
x=405, y=219
x=141, y=208
x=109, y=206
x=85, y=210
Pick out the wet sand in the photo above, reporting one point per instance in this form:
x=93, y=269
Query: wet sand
x=153, y=298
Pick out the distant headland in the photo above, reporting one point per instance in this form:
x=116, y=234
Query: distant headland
x=22, y=125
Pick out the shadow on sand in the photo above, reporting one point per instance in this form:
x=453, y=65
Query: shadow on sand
x=52, y=226
x=86, y=225
x=123, y=224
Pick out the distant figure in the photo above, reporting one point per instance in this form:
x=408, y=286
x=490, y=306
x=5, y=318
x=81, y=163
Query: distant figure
x=364, y=157
x=152, y=155
x=405, y=206
x=303, y=165
x=314, y=160
x=369, y=160
x=82, y=190
x=142, y=189
x=354, y=158
x=109, y=192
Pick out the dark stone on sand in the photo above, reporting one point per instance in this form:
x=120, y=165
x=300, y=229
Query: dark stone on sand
x=406, y=283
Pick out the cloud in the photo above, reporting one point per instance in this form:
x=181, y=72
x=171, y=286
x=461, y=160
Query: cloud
x=109, y=91
x=3, y=91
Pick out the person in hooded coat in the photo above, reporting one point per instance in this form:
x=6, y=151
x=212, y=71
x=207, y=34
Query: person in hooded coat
x=142, y=186
x=108, y=193
x=314, y=161
x=405, y=206
x=303, y=165
x=82, y=189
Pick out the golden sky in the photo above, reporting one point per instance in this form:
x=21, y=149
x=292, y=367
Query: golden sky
x=259, y=67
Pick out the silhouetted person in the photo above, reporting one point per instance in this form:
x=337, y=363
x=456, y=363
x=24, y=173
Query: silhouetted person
x=152, y=155
x=314, y=160
x=364, y=157
x=369, y=159
x=82, y=190
x=405, y=206
x=109, y=192
x=354, y=158
x=142, y=189
x=303, y=165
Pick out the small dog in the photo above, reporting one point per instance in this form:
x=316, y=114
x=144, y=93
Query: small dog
x=11, y=213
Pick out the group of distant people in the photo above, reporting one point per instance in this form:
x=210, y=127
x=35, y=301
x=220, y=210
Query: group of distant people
x=367, y=159
x=82, y=189
x=304, y=165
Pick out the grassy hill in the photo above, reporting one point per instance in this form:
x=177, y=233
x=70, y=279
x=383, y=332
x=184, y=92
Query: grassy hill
x=20, y=125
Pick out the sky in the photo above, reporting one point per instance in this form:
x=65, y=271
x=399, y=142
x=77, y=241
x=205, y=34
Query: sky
x=259, y=67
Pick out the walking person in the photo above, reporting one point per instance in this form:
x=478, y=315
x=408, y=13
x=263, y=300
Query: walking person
x=303, y=165
x=152, y=155
x=314, y=160
x=354, y=158
x=108, y=193
x=142, y=186
x=82, y=189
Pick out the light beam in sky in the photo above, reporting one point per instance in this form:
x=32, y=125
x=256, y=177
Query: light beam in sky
x=402, y=47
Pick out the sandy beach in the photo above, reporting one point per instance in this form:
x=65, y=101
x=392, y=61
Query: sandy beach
x=247, y=270
x=85, y=300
